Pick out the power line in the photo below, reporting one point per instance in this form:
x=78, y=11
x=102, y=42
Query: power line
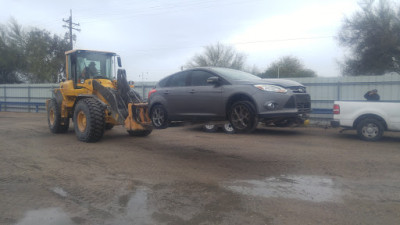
x=148, y=50
x=70, y=25
x=162, y=9
x=282, y=40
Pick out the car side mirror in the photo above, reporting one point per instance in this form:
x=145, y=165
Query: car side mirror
x=213, y=80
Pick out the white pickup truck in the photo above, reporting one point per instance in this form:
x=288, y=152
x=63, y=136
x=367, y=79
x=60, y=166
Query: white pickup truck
x=369, y=118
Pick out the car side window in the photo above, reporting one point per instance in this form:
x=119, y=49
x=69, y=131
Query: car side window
x=199, y=78
x=177, y=80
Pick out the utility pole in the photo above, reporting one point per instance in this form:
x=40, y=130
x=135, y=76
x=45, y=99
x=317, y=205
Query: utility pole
x=70, y=25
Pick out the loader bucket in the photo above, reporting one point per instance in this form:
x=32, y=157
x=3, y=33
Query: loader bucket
x=138, y=117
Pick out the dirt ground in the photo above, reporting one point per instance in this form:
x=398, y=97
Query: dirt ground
x=182, y=175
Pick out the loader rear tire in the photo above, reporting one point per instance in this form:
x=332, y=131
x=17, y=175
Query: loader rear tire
x=56, y=123
x=139, y=133
x=89, y=120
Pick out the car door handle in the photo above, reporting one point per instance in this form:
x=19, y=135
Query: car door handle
x=192, y=91
x=166, y=92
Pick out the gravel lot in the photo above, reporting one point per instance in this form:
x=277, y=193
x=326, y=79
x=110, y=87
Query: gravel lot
x=182, y=175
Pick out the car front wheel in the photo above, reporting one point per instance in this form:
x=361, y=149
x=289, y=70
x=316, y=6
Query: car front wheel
x=159, y=117
x=242, y=117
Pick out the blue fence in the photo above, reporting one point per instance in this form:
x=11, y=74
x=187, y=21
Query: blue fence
x=19, y=105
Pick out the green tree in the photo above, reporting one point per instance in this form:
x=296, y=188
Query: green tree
x=287, y=66
x=34, y=56
x=373, y=37
x=11, y=53
x=44, y=56
x=219, y=55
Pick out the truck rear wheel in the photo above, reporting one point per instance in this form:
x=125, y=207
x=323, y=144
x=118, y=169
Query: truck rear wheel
x=370, y=129
x=56, y=123
x=89, y=121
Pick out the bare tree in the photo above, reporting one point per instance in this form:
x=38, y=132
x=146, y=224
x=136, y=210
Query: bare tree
x=218, y=55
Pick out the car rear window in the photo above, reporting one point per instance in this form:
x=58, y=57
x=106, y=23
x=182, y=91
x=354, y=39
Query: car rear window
x=177, y=80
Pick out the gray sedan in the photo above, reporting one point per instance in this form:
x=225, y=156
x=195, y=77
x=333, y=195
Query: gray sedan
x=221, y=94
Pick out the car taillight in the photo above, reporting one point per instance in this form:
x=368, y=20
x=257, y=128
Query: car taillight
x=336, y=109
x=151, y=92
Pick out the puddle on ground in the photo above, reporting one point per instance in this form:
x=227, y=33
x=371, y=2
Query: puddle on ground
x=307, y=188
x=49, y=216
x=59, y=191
x=137, y=210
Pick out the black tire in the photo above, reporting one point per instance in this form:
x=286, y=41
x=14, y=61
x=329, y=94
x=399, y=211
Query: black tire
x=139, y=133
x=370, y=129
x=54, y=120
x=228, y=128
x=159, y=117
x=109, y=126
x=89, y=120
x=242, y=117
x=210, y=128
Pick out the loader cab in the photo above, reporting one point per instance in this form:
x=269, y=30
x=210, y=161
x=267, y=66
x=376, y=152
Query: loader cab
x=83, y=65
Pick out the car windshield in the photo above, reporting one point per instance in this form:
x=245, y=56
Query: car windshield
x=231, y=74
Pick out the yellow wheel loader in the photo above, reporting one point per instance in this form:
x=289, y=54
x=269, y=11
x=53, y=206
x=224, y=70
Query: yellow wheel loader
x=96, y=98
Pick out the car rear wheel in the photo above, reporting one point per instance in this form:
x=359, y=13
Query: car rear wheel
x=370, y=129
x=242, y=117
x=159, y=117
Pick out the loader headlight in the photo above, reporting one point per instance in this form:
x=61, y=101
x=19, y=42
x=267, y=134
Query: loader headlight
x=270, y=88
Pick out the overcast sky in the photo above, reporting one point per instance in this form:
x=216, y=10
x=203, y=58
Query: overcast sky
x=155, y=38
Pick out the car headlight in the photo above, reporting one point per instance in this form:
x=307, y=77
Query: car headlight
x=270, y=88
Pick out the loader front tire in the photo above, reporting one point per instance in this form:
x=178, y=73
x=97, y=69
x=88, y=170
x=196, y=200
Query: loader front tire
x=89, y=120
x=56, y=123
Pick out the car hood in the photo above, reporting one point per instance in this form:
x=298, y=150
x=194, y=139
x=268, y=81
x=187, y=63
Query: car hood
x=279, y=82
